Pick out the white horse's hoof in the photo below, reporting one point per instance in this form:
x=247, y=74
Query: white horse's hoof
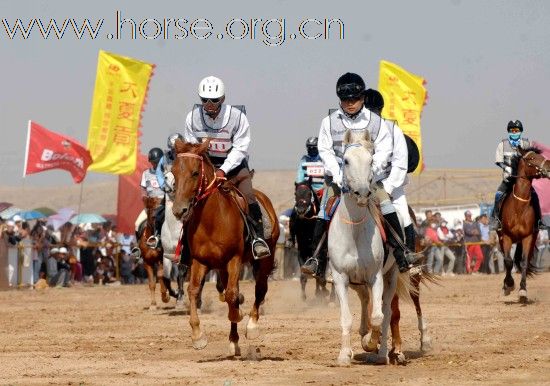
x=200, y=343
x=344, y=359
x=234, y=350
x=254, y=353
x=426, y=345
x=367, y=344
x=252, y=330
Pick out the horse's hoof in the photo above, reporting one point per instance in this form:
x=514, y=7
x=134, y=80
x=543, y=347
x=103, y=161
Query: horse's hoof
x=367, y=344
x=426, y=345
x=221, y=296
x=332, y=305
x=153, y=307
x=254, y=353
x=179, y=305
x=522, y=296
x=234, y=350
x=200, y=343
x=344, y=359
x=382, y=360
x=241, y=298
x=165, y=297
x=252, y=330
x=397, y=358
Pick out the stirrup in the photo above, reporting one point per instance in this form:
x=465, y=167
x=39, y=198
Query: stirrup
x=136, y=252
x=152, y=241
x=310, y=266
x=262, y=252
x=412, y=257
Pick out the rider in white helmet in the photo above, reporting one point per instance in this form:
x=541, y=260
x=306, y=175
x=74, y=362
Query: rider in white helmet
x=228, y=129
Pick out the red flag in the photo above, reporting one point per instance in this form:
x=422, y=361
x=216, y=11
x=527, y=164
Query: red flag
x=129, y=203
x=48, y=150
x=542, y=185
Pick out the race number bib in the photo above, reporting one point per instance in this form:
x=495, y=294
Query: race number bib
x=154, y=183
x=315, y=171
x=219, y=146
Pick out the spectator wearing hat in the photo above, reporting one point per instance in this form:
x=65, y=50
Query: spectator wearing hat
x=63, y=267
x=472, y=234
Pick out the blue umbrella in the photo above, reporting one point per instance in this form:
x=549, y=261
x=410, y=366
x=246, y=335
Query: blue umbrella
x=31, y=215
x=84, y=218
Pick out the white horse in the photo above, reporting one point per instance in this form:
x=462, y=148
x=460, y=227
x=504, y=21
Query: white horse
x=356, y=252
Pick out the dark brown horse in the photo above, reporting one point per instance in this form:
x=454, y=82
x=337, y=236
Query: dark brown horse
x=518, y=219
x=216, y=235
x=152, y=257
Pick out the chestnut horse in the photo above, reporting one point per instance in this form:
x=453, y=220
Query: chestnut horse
x=216, y=235
x=518, y=219
x=152, y=257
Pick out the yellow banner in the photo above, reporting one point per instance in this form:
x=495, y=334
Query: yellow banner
x=121, y=87
x=404, y=96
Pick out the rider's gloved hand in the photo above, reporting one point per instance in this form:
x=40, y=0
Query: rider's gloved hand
x=220, y=173
x=508, y=169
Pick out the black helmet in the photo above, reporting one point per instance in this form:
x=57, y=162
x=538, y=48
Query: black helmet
x=311, y=142
x=374, y=101
x=350, y=86
x=155, y=154
x=516, y=124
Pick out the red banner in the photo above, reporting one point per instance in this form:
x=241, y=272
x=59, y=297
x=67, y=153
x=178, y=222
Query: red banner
x=47, y=150
x=129, y=203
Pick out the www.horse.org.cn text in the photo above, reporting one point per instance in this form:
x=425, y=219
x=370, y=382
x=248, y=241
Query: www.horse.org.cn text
x=271, y=32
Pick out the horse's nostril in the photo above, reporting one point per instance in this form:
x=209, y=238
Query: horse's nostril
x=184, y=210
x=356, y=193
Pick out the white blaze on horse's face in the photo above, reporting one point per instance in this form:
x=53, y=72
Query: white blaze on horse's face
x=357, y=167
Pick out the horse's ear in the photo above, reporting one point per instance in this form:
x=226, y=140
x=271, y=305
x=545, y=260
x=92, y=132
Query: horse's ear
x=203, y=148
x=179, y=145
x=347, y=137
x=366, y=136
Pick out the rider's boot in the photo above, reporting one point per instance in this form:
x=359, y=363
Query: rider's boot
x=494, y=222
x=154, y=240
x=410, y=237
x=316, y=265
x=260, y=248
x=405, y=259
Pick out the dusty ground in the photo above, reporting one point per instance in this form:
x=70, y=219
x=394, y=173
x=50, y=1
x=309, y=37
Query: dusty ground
x=105, y=335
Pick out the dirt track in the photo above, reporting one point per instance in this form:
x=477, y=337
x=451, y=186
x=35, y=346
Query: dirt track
x=105, y=335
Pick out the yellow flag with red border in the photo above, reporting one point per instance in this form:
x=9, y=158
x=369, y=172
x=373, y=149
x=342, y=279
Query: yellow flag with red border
x=404, y=97
x=120, y=95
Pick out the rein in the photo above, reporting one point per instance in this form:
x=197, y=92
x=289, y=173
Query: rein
x=205, y=188
x=517, y=197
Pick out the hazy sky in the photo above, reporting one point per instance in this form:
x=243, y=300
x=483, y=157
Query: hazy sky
x=486, y=62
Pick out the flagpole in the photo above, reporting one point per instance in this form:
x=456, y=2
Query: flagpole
x=80, y=199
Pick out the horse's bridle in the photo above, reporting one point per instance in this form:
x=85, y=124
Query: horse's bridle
x=541, y=171
x=205, y=188
x=311, y=202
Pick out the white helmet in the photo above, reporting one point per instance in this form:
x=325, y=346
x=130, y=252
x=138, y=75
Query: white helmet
x=211, y=87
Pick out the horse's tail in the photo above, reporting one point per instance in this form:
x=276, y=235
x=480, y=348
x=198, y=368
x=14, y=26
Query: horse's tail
x=518, y=257
x=405, y=287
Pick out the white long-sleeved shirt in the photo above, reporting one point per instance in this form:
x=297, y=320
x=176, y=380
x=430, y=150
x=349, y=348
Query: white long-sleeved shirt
x=399, y=162
x=240, y=139
x=382, y=145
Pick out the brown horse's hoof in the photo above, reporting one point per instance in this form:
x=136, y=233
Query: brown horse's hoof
x=241, y=298
x=200, y=343
x=165, y=297
x=221, y=296
x=397, y=358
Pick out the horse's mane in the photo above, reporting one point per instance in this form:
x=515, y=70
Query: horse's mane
x=533, y=149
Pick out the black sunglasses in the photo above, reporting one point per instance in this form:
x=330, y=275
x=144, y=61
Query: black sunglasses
x=213, y=100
